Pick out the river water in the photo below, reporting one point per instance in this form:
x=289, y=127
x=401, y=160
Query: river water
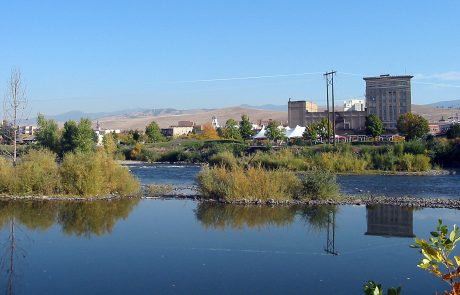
x=184, y=247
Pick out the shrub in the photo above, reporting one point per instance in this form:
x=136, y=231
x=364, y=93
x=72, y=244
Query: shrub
x=225, y=159
x=281, y=159
x=6, y=175
x=405, y=162
x=319, y=184
x=421, y=163
x=414, y=163
x=415, y=147
x=345, y=162
x=254, y=183
x=95, y=174
x=37, y=173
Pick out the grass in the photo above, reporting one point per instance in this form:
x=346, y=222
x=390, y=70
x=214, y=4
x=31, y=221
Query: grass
x=156, y=190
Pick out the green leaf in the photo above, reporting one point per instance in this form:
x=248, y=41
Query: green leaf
x=434, y=234
x=457, y=260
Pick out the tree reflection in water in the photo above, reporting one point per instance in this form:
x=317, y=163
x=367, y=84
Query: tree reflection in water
x=75, y=218
x=222, y=216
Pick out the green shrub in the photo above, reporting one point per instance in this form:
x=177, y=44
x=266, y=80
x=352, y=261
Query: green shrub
x=226, y=159
x=398, y=149
x=319, y=184
x=6, y=175
x=281, y=159
x=414, y=163
x=415, y=147
x=341, y=162
x=385, y=162
x=421, y=163
x=254, y=183
x=37, y=173
x=91, y=174
x=405, y=162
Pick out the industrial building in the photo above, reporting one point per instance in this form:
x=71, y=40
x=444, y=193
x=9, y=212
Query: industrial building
x=344, y=120
x=388, y=97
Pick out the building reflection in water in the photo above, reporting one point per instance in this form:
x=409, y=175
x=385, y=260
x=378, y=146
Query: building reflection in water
x=390, y=221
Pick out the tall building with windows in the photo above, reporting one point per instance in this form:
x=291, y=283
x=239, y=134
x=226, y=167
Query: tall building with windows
x=388, y=97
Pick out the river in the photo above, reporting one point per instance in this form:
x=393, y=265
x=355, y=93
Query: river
x=186, y=247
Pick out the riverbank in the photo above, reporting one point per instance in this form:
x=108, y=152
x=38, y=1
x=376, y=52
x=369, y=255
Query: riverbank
x=432, y=172
x=191, y=193
x=66, y=198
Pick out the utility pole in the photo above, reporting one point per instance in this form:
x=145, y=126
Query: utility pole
x=328, y=111
x=330, y=82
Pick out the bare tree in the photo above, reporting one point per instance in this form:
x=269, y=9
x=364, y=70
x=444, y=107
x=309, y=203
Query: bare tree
x=14, y=106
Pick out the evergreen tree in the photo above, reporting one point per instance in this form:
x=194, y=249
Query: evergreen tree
x=246, y=128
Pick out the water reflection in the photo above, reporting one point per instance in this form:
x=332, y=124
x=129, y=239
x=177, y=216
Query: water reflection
x=222, y=216
x=390, y=221
x=75, y=218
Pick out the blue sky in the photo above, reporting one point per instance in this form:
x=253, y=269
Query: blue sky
x=110, y=55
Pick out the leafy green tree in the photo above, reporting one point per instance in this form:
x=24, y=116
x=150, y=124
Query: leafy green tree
x=86, y=138
x=273, y=132
x=77, y=137
x=324, y=129
x=246, y=128
x=412, y=126
x=374, y=126
x=69, y=137
x=311, y=132
x=453, y=131
x=48, y=134
x=231, y=130
x=153, y=132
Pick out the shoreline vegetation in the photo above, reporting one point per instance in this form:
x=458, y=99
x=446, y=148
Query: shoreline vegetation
x=77, y=174
x=421, y=156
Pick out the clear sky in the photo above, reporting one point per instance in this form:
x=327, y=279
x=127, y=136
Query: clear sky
x=110, y=55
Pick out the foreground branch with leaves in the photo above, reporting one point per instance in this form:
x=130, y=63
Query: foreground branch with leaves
x=436, y=253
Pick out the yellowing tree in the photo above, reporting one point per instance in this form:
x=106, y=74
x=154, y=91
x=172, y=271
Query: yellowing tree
x=208, y=132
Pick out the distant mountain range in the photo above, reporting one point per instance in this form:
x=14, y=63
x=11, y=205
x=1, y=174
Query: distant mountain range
x=446, y=104
x=127, y=113
x=268, y=107
x=139, y=113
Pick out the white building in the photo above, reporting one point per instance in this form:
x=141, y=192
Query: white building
x=100, y=133
x=354, y=105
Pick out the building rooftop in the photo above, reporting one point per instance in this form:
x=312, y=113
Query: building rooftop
x=389, y=77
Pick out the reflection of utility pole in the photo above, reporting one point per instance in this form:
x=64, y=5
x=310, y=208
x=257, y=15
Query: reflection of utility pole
x=330, y=242
x=331, y=83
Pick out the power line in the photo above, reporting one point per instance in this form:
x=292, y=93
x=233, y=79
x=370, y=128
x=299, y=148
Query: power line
x=248, y=78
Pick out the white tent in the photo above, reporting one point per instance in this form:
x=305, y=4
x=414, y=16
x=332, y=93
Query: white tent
x=261, y=134
x=295, y=132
